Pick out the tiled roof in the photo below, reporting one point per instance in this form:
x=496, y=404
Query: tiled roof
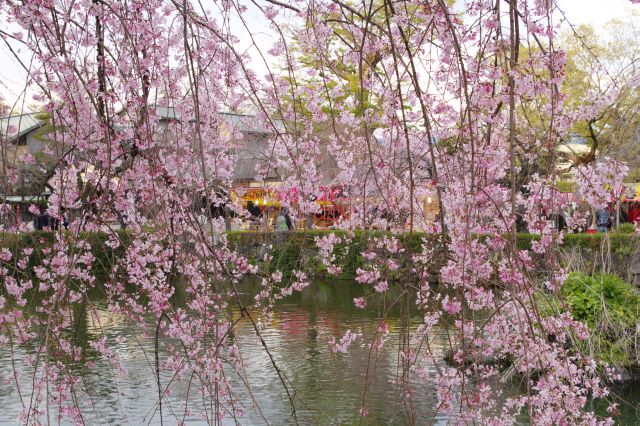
x=14, y=126
x=241, y=122
x=252, y=154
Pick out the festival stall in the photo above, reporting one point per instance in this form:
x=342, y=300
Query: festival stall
x=268, y=200
x=630, y=203
x=333, y=204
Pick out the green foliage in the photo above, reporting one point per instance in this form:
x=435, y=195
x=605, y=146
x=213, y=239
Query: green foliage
x=619, y=241
x=42, y=241
x=565, y=186
x=524, y=240
x=287, y=258
x=289, y=248
x=626, y=228
x=589, y=49
x=601, y=298
x=610, y=307
x=43, y=116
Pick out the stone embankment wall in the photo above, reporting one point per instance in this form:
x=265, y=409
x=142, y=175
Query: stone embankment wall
x=615, y=253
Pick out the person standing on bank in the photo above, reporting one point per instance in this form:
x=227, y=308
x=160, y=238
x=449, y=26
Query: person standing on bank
x=603, y=219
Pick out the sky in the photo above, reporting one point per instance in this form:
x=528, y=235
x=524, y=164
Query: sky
x=593, y=12
x=596, y=12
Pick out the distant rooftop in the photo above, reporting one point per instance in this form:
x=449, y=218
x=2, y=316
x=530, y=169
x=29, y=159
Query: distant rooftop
x=242, y=122
x=15, y=126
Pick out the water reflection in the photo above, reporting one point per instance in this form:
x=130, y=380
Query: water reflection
x=329, y=388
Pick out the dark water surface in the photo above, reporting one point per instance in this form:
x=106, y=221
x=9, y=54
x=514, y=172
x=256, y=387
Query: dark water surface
x=329, y=387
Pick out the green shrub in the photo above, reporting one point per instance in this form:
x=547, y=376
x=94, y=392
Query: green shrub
x=610, y=307
x=626, y=228
x=601, y=297
x=565, y=186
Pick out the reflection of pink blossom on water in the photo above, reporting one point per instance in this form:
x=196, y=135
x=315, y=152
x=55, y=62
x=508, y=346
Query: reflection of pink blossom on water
x=294, y=323
x=360, y=302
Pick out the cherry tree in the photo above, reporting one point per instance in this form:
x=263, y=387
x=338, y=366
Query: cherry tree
x=429, y=108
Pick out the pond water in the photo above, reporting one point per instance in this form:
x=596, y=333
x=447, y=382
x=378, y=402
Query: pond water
x=329, y=388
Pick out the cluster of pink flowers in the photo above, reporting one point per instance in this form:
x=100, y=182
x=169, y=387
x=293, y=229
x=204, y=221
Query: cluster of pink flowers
x=382, y=258
x=327, y=246
x=345, y=341
x=600, y=183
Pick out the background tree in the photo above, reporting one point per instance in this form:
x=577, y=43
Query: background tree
x=602, y=71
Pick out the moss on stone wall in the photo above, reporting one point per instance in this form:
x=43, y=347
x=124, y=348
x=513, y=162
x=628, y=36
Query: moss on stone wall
x=42, y=241
x=297, y=249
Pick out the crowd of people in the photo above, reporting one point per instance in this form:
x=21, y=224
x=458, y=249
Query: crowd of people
x=269, y=218
x=604, y=219
x=628, y=212
x=45, y=222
